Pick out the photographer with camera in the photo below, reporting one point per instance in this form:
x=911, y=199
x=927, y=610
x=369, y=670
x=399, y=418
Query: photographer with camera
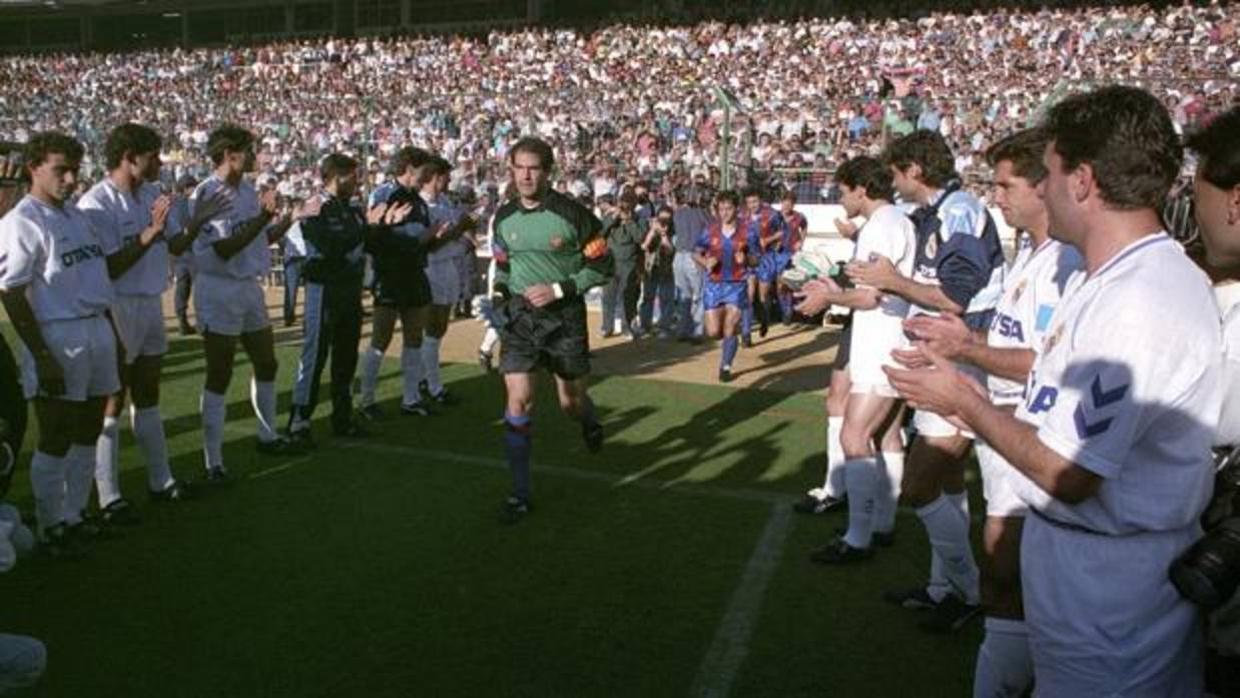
x=1209, y=573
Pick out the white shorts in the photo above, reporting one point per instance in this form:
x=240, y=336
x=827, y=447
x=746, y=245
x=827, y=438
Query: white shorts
x=86, y=350
x=934, y=426
x=445, y=280
x=140, y=324
x=230, y=307
x=998, y=483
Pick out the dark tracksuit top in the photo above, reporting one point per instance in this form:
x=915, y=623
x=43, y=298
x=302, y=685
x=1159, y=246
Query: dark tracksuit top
x=334, y=243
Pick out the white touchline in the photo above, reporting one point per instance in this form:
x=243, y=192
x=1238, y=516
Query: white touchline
x=730, y=645
x=581, y=474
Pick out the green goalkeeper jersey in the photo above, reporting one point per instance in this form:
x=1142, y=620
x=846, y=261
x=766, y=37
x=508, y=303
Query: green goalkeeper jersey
x=557, y=242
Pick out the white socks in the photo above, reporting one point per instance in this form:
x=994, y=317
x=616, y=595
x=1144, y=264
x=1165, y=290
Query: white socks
x=489, y=339
x=212, y=429
x=861, y=479
x=371, y=358
x=148, y=431
x=411, y=371
x=949, y=538
x=106, y=475
x=79, y=478
x=430, y=363
x=833, y=483
x=47, y=482
x=1004, y=667
x=263, y=398
x=887, y=493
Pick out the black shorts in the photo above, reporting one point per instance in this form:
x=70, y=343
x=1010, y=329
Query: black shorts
x=413, y=292
x=841, y=349
x=555, y=336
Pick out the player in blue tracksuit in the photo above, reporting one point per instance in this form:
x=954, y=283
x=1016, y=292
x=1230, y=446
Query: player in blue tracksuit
x=727, y=251
x=333, y=244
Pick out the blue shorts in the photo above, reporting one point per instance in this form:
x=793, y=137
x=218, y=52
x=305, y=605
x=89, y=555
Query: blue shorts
x=716, y=294
x=771, y=265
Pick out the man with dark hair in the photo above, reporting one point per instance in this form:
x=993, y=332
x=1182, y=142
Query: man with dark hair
x=231, y=257
x=401, y=289
x=333, y=243
x=959, y=270
x=872, y=414
x=657, y=282
x=1216, y=199
x=442, y=272
x=726, y=251
x=770, y=230
x=549, y=250
x=796, y=226
x=129, y=216
x=624, y=233
x=1113, y=436
x=54, y=285
x=1032, y=288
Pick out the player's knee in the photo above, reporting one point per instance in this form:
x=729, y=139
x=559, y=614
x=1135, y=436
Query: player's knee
x=520, y=406
x=855, y=440
x=919, y=488
x=265, y=370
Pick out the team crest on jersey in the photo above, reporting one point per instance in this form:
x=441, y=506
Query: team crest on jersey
x=557, y=243
x=1020, y=290
x=1052, y=340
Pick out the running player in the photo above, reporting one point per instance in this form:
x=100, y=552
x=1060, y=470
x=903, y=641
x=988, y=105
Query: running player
x=1113, y=437
x=54, y=285
x=549, y=252
x=959, y=270
x=770, y=231
x=231, y=256
x=872, y=409
x=796, y=225
x=1032, y=288
x=727, y=250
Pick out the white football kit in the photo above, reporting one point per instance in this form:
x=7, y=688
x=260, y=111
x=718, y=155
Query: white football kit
x=442, y=264
x=1033, y=287
x=228, y=295
x=53, y=253
x=1136, y=403
x=876, y=332
x=117, y=218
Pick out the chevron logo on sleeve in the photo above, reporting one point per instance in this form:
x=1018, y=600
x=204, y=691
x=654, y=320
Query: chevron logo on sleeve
x=1099, y=398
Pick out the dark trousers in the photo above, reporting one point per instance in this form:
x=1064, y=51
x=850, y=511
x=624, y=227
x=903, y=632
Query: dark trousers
x=292, y=283
x=333, y=329
x=180, y=300
x=621, y=294
x=13, y=413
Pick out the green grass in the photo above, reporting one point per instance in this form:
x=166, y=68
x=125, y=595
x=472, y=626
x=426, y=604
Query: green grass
x=379, y=569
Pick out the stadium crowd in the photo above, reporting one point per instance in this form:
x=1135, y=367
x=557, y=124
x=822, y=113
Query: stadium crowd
x=1093, y=427
x=626, y=101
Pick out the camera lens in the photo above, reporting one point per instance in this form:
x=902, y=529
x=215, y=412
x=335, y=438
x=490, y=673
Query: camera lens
x=1209, y=572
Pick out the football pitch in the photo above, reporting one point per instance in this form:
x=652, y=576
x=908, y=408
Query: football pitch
x=669, y=564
